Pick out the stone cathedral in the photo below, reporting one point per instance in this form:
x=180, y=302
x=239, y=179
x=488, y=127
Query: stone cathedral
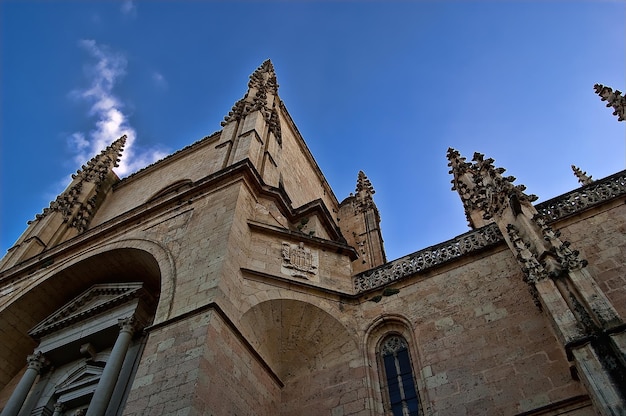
x=228, y=279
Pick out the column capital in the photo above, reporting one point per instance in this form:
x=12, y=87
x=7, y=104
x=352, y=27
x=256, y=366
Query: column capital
x=130, y=324
x=37, y=361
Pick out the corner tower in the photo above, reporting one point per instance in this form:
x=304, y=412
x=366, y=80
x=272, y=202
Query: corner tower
x=359, y=220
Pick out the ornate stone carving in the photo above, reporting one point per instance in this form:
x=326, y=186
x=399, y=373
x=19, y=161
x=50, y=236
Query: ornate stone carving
x=37, y=361
x=262, y=82
x=531, y=267
x=482, y=187
x=568, y=258
x=130, y=324
x=582, y=176
x=462, y=182
x=428, y=258
x=495, y=192
x=273, y=122
x=581, y=199
x=88, y=304
x=364, y=191
x=76, y=211
x=613, y=99
x=567, y=204
x=392, y=345
x=299, y=261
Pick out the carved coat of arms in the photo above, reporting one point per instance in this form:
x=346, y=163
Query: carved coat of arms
x=299, y=261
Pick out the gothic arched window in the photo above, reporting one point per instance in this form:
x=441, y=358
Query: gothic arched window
x=398, y=380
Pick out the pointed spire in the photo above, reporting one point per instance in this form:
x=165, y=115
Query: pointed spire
x=497, y=191
x=364, y=192
x=363, y=185
x=485, y=193
x=582, y=176
x=462, y=181
x=360, y=221
x=613, y=99
x=100, y=165
x=262, y=82
x=95, y=172
x=264, y=77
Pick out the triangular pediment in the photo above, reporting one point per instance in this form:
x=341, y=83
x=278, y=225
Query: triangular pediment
x=92, y=302
x=85, y=375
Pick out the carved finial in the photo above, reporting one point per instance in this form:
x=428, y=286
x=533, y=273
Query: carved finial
x=457, y=163
x=613, y=99
x=582, y=176
x=364, y=192
x=265, y=74
x=462, y=181
x=485, y=193
x=363, y=185
x=496, y=192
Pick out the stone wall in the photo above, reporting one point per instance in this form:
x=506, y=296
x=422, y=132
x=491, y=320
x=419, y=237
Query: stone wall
x=193, y=163
x=600, y=236
x=200, y=366
x=481, y=343
x=301, y=175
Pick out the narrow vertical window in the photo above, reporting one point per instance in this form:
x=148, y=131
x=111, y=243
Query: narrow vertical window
x=399, y=380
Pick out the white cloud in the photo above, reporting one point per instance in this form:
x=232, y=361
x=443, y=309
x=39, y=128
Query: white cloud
x=129, y=8
x=111, y=121
x=159, y=80
x=78, y=141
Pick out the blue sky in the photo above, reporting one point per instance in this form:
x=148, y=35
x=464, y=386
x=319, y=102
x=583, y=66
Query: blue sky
x=383, y=87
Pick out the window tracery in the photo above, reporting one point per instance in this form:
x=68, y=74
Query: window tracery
x=398, y=378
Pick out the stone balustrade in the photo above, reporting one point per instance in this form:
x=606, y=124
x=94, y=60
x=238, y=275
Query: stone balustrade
x=554, y=209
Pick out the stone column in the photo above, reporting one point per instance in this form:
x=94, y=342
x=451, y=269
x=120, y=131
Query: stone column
x=106, y=385
x=58, y=409
x=35, y=363
x=604, y=393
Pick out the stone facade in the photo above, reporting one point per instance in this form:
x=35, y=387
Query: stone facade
x=252, y=290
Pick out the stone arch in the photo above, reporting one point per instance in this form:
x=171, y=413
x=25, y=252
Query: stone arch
x=378, y=330
x=296, y=337
x=123, y=261
x=174, y=187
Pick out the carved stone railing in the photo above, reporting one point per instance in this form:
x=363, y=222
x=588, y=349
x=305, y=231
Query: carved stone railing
x=425, y=259
x=582, y=198
x=554, y=209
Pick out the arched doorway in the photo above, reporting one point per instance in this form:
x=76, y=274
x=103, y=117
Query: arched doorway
x=56, y=289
